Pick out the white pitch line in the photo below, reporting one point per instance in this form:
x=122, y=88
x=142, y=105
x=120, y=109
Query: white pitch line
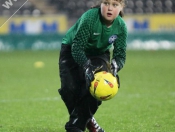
x=30, y=100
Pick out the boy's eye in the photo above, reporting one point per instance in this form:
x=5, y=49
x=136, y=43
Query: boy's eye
x=115, y=5
x=106, y=3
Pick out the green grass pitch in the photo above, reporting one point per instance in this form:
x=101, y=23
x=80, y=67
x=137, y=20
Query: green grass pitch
x=29, y=101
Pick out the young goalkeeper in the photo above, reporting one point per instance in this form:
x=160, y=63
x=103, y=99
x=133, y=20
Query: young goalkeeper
x=85, y=50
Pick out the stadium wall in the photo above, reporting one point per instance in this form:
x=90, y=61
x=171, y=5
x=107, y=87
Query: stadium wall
x=149, y=32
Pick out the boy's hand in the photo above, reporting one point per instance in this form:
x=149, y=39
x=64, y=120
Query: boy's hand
x=89, y=71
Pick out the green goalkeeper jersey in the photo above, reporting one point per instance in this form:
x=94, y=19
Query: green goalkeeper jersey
x=89, y=36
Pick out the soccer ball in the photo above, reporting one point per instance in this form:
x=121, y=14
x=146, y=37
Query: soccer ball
x=104, y=86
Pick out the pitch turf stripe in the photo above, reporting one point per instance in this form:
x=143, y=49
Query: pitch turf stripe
x=30, y=100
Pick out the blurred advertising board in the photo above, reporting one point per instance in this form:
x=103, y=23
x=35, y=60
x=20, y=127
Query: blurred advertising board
x=34, y=25
x=151, y=22
x=59, y=24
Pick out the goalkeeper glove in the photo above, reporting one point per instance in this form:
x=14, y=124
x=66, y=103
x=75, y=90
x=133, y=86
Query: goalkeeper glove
x=114, y=67
x=89, y=71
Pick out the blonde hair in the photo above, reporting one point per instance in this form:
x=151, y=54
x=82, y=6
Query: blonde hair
x=120, y=1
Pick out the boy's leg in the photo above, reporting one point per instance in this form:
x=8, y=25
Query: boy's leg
x=67, y=72
x=88, y=105
x=82, y=113
x=92, y=124
x=70, y=81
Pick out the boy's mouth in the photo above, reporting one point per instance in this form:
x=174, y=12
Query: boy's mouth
x=109, y=14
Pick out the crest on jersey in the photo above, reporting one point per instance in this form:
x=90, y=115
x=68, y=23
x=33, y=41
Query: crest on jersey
x=112, y=39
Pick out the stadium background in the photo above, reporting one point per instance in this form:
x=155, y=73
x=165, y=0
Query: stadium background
x=29, y=80
x=41, y=24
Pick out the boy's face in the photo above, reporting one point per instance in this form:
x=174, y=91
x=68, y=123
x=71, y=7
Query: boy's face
x=110, y=9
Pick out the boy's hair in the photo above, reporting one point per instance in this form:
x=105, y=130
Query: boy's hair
x=121, y=1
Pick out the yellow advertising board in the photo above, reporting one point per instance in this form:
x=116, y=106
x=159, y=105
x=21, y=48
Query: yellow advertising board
x=34, y=25
x=4, y=26
x=151, y=22
x=162, y=22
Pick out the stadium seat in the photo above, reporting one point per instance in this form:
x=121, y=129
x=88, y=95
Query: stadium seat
x=75, y=8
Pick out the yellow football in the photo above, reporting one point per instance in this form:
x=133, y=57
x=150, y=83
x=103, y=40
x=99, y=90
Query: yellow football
x=104, y=87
